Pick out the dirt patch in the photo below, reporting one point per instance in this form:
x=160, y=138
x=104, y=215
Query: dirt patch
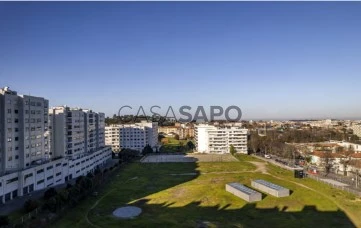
x=261, y=166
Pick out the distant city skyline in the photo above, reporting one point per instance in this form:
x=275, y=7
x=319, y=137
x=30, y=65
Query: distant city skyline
x=275, y=60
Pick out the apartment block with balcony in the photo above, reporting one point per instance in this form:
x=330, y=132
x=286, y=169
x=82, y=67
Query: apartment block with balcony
x=112, y=137
x=42, y=147
x=132, y=136
x=67, y=131
x=24, y=134
x=218, y=139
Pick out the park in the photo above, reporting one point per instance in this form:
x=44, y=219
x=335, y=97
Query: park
x=191, y=194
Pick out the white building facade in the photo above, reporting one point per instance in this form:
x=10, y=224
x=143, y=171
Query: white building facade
x=132, y=136
x=39, y=149
x=24, y=133
x=217, y=139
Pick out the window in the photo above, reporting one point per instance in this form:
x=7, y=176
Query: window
x=9, y=111
x=16, y=156
x=50, y=167
x=9, y=120
x=16, y=138
x=16, y=121
x=28, y=175
x=26, y=111
x=49, y=178
x=16, y=129
x=40, y=182
x=16, y=111
x=12, y=180
x=9, y=139
x=40, y=171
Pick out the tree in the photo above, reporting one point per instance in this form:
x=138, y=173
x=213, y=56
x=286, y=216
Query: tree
x=191, y=145
x=49, y=193
x=4, y=220
x=327, y=162
x=147, y=150
x=346, y=159
x=232, y=150
x=30, y=205
x=176, y=136
x=160, y=137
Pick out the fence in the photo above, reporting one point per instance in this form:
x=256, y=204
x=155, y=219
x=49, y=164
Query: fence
x=344, y=188
x=318, y=178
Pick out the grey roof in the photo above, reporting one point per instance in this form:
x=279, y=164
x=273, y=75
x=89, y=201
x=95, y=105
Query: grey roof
x=242, y=188
x=269, y=184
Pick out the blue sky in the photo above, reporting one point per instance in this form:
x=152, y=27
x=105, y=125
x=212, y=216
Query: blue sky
x=279, y=60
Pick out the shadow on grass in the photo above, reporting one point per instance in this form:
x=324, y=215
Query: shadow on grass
x=196, y=215
x=156, y=178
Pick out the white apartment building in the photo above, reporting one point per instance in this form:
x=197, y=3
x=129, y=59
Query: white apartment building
x=67, y=130
x=75, y=132
x=24, y=134
x=217, y=139
x=42, y=147
x=112, y=137
x=132, y=136
x=50, y=173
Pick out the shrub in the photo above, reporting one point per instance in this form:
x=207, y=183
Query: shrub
x=68, y=186
x=49, y=193
x=4, y=220
x=30, y=205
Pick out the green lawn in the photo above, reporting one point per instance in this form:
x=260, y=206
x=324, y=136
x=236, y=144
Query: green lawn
x=173, y=145
x=189, y=201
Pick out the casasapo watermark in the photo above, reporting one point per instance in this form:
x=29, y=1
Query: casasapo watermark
x=184, y=113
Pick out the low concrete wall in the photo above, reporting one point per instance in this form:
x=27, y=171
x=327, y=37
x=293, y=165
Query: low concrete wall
x=270, y=188
x=243, y=192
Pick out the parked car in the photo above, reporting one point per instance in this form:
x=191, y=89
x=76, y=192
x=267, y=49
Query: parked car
x=267, y=156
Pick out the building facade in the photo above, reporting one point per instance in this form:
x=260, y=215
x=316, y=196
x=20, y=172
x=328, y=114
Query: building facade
x=42, y=147
x=75, y=131
x=112, y=137
x=24, y=133
x=132, y=136
x=218, y=139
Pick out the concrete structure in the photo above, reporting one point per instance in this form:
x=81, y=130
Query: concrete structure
x=50, y=173
x=243, y=192
x=75, y=132
x=217, y=139
x=270, y=188
x=132, y=136
x=39, y=150
x=24, y=134
x=183, y=130
x=112, y=137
